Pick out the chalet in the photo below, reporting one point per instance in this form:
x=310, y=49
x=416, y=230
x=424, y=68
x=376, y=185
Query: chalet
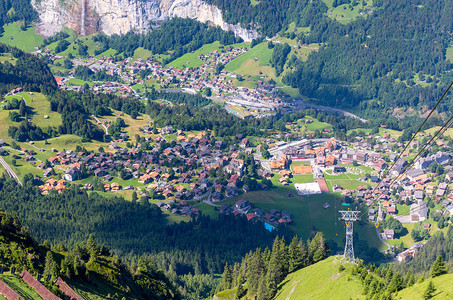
x=107, y=177
x=409, y=253
x=233, y=181
x=167, y=130
x=391, y=210
x=242, y=204
x=388, y=234
x=251, y=217
x=99, y=172
x=257, y=211
x=231, y=191
x=71, y=174
x=115, y=186
x=236, y=166
x=244, y=143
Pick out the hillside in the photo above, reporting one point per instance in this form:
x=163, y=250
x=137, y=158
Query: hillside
x=443, y=285
x=320, y=281
x=324, y=281
x=91, y=271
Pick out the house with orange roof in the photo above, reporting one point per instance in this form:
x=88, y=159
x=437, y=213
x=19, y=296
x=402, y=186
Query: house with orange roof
x=319, y=151
x=419, y=187
x=60, y=188
x=53, y=159
x=106, y=187
x=51, y=182
x=144, y=179
x=285, y=173
x=310, y=153
x=115, y=186
x=330, y=160
x=179, y=188
x=75, y=165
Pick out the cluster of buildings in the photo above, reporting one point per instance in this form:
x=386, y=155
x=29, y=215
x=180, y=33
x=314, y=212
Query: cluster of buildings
x=273, y=218
x=249, y=102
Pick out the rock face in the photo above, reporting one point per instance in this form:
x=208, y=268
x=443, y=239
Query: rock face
x=120, y=16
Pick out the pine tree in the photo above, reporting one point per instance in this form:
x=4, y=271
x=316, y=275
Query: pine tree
x=92, y=247
x=395, y=284
x=227, y=277
x=274, y=270
x=430, y=289
x=22, y=108
x=255, y=271
x=240, y=291
x=295, y=255
x=261, y=294
x=438, y=267
x=317, y=249
x=49, y=264
x=409, y=280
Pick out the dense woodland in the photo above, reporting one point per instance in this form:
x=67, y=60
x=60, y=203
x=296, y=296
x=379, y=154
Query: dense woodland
x=370, y=64
x=178, y=36
x=29, y=72
x=441, y=244
x=279, y=56
x=84, y=264
x=267, y=16
x=16, y=10
x=85, y=73
x=201, y=246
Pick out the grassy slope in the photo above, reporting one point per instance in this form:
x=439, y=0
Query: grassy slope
x=443, y=285
x=320, y=281
x=308, y=213
x=343, y=13
x=24, y=40
x=246, y=64
x=189, y=60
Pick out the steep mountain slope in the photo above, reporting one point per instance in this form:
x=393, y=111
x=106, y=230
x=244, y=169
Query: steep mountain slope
x=91, y=271
x=117, y=17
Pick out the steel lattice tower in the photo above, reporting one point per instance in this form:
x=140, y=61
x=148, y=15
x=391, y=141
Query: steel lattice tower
x=349, y=217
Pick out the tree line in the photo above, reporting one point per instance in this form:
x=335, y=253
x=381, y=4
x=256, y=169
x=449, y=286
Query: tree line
x=16, y=10
x=85, y=263
x=260, y=272
x=175, y=37
x=133, y=229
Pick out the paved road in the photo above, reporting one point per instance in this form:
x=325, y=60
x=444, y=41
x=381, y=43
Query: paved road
x=382, y=240
x=102, y=124
x=9, y=170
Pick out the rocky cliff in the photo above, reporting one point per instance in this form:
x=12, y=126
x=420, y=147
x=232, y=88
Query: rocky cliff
x=120, y=16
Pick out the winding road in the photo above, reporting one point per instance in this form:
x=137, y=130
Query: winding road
x=9, y=170
x=102, y=124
